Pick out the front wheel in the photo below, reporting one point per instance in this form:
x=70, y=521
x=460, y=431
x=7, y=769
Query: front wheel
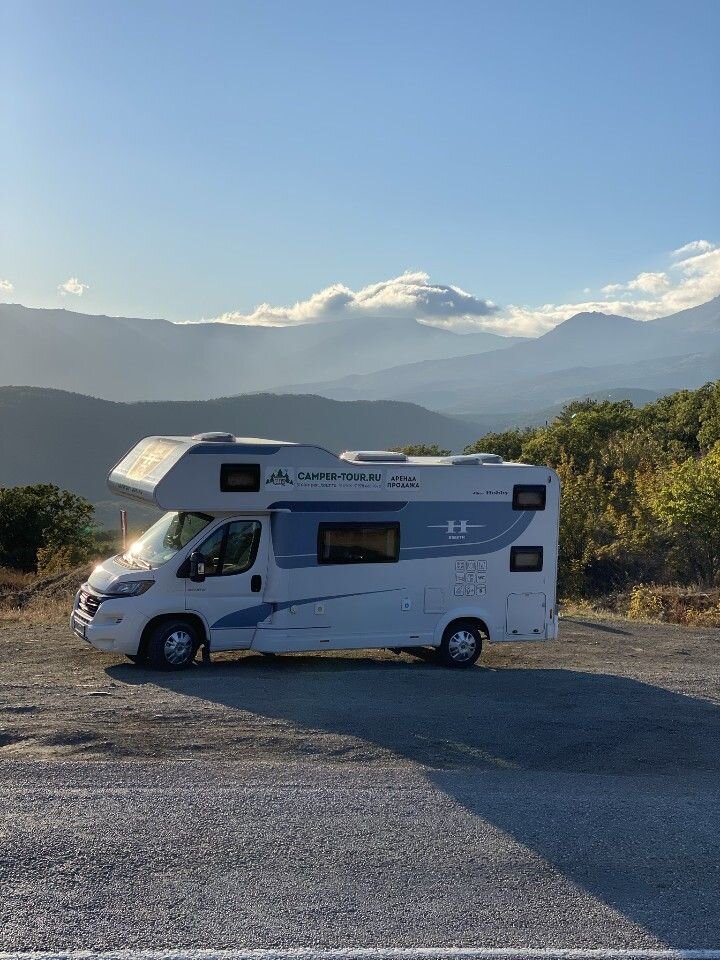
x=461, y=644
x=172, y=645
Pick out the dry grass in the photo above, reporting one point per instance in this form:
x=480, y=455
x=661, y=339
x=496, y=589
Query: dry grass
x=13, y=580
x=39, y=600
x=40, y=613
x=688, y=606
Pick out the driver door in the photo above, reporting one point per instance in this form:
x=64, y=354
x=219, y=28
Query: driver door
x=230, y=597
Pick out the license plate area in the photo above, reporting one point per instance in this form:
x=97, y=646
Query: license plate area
x=79, y=628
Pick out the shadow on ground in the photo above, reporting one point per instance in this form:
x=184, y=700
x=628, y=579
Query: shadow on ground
x=613, y=781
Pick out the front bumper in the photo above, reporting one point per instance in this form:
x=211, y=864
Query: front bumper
x=112, y=629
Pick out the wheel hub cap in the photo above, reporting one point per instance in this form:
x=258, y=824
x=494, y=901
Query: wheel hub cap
x=178, y=647
x=462, y=645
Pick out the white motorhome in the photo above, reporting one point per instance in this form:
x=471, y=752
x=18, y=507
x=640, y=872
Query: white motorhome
x=283, y=547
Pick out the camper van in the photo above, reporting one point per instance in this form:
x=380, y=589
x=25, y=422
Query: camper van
x=282, y=547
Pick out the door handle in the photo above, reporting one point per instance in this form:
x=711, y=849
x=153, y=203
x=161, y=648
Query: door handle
x=256, y=583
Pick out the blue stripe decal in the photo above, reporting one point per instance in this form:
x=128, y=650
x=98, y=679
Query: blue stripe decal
x=429, y=528
x=251, y=616
x=248, y=617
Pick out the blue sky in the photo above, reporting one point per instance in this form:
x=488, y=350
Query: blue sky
x=193, y=160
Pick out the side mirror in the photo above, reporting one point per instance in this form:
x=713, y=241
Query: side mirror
x=197, y=567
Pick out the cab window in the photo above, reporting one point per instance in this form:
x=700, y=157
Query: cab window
x=231, y=549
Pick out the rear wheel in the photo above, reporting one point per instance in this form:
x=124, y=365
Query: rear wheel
x=172, y=645
x=461, y=644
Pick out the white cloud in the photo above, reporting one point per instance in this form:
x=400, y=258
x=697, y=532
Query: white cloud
x=6, y=286
x=650, y=282
x=695, y=246
x=692, y=277
x=409, y=295
x=645, y=282
x=74, y=286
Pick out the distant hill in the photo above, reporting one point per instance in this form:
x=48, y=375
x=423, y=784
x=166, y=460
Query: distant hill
x=51, y=436
x=122, y=358
x=538, y=417
x=588, y=352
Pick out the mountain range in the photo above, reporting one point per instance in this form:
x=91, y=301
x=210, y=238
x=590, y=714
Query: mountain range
x=122, y=358
x=587, y=353
x=477, y=376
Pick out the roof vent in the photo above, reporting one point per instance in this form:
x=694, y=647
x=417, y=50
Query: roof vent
x=474, y=458
x=216, y=437
x=374, y=456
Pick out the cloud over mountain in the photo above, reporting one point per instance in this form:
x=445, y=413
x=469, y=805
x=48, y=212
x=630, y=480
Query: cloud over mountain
x=409, y=295
x=691, y=277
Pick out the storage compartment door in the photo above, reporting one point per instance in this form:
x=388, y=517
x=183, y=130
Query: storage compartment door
x=526, y=615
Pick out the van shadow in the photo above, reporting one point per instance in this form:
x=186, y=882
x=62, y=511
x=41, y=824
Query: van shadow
x=612, y=781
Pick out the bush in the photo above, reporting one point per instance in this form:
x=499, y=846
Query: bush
x=39, y=521
x=58, y=559
x=645, y=604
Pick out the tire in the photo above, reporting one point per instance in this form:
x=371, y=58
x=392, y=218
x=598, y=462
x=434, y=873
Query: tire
x=172, y=645
x=461, y=644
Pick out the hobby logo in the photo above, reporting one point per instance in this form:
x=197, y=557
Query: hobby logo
x=457, y=528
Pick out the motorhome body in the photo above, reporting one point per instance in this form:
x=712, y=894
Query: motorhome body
x=283, y=547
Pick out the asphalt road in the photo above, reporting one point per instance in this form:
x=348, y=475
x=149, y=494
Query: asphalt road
x=391, y=804
x=106, y=855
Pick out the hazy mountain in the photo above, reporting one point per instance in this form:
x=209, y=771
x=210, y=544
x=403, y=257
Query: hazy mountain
x=123, y=358
x=695, y=320
x=657, y=376
x=542, y=415
x=588, y=352
x=50, y=436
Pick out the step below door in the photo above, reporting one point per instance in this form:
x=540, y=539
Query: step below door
x=526, y=615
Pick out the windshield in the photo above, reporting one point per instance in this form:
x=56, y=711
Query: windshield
x=163, y=540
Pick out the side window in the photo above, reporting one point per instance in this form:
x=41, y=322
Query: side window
x=231, y=549
x=526, y=559
x=529, y=496
x=240, y=477
x=359, y=543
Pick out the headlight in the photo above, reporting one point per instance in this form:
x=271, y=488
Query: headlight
x=130, y=588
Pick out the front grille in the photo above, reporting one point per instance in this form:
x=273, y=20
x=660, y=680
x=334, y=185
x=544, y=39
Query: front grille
x=88, y=603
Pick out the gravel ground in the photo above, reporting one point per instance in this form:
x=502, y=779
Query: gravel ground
x=563, y=794
x=604, y=698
